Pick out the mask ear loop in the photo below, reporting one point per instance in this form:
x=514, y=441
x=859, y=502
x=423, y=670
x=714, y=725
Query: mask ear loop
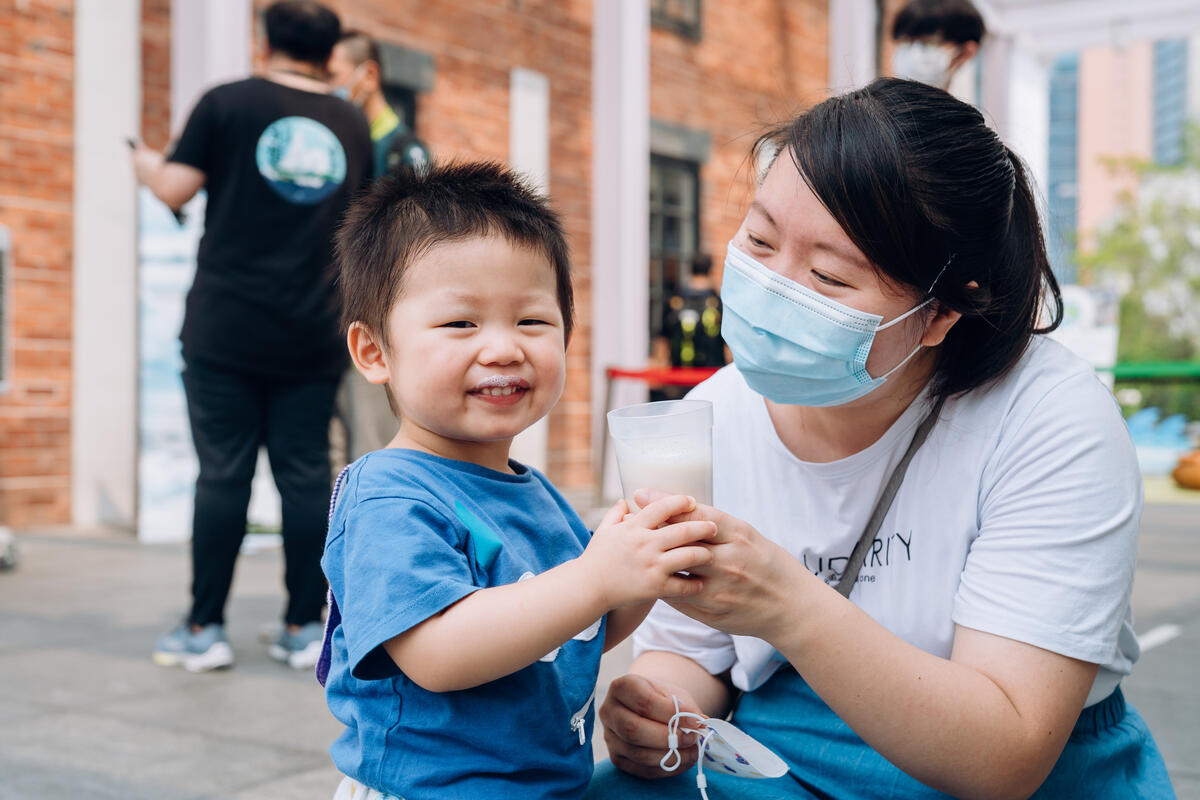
x=702, y=737
x=912, y=311
x=928, y=299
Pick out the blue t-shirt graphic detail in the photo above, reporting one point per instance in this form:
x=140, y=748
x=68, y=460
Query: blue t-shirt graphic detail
x=411, y=535
x=301, y=160
x=485, y=544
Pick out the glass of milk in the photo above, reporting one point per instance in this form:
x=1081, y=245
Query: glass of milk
x=665, y=445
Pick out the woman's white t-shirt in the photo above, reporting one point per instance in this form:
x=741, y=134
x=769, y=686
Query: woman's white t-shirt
x=1017, y=517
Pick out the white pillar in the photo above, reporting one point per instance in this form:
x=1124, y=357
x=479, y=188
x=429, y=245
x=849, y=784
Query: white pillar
x=995, y=56
x=104, y=319
x=851, y=44
x=1028, y=118
x=210, y=45
x=529, y=154
x=620, y=198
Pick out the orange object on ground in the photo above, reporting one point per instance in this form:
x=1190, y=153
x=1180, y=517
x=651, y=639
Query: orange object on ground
x=1187, y=473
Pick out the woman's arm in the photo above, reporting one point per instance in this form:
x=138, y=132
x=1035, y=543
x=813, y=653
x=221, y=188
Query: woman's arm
x=989, y=722
x=638, y=706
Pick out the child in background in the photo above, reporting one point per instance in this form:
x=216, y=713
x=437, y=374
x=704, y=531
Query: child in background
x=474, y=606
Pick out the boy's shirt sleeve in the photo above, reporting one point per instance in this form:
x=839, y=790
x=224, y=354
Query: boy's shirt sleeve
x=403, y=562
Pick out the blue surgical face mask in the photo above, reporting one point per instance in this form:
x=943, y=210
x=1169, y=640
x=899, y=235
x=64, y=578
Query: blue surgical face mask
x=793, y=345
x=919, y=61
x=345, y=91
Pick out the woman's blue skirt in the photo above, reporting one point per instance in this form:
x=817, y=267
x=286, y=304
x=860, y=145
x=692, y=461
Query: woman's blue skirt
x=1110, y=754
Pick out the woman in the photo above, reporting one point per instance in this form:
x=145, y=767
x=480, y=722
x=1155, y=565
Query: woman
x=884, y=300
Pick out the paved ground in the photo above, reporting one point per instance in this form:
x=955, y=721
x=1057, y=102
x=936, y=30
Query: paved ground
x=84, y=714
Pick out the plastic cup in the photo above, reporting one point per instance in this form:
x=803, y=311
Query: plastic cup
x=665, y=445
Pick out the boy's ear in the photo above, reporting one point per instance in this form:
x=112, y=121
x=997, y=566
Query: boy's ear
x=367, y=353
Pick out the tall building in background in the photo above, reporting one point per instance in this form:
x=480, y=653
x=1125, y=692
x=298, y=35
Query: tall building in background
x=1170, y=100
x=1062, y=184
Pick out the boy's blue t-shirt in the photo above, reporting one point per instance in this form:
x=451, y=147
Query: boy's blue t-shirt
x=412, y=534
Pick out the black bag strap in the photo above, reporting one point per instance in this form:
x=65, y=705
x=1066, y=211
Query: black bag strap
x=334, y=617
x=859, y=554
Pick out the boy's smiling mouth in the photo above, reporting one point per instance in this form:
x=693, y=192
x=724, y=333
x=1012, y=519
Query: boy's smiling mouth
x=501, y=389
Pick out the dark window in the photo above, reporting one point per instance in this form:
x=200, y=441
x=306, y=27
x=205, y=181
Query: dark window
x=404, y=102
x=674, y=229
x=680, y=16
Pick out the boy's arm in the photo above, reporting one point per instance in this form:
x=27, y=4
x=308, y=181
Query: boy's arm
x=624, y=621
x=496, y=631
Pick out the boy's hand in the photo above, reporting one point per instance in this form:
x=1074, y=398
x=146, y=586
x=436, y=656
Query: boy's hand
x=633, y=558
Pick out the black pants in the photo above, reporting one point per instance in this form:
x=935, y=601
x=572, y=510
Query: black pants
x=233, y=413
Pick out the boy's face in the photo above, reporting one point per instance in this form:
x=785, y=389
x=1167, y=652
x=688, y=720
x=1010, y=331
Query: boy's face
x=476, y=351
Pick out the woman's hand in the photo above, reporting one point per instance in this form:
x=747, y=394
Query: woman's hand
x=751, y=586
x=635, y=714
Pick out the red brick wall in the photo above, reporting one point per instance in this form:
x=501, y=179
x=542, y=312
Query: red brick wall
x=156, y=72
x=757, y=63
x=36, y=163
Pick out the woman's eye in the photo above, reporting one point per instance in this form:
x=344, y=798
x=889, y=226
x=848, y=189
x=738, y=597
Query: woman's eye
x=757, y=242
x=827, y=280
x=458, y=323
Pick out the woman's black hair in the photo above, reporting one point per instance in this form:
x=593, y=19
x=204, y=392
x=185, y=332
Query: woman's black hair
x=918, y=181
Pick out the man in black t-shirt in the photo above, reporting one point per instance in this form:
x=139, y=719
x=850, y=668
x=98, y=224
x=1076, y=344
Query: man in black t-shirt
x=280, y=159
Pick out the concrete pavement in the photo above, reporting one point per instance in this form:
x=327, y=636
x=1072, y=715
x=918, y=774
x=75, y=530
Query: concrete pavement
x=85, y=714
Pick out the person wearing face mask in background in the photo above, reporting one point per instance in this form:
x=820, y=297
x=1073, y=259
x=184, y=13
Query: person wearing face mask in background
x=356, y=75
x=927, y=510
x=934, y=39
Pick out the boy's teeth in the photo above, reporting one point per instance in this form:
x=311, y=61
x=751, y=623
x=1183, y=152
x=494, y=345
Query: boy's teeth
x=499, y=391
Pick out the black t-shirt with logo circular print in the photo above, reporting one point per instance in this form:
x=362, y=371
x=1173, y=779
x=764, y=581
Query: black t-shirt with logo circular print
x=281, y=165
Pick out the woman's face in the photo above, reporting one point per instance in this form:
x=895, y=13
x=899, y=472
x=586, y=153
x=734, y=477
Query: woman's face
x=790, y=232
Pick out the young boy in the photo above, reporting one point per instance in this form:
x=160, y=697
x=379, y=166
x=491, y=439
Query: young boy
x=474, y=605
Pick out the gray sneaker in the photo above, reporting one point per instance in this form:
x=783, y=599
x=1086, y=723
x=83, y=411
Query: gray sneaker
x=299, y=650
x=196, y=652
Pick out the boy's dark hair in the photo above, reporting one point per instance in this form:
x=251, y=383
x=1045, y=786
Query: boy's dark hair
x=936, y=202
x=302, y=29
x=955, y=21
x=360, y=48
x=407, y=212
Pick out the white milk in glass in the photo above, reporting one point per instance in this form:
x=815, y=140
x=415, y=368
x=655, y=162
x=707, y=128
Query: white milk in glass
x=675, y=464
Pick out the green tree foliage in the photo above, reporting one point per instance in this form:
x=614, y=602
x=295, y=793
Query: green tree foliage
x=1151, y=253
